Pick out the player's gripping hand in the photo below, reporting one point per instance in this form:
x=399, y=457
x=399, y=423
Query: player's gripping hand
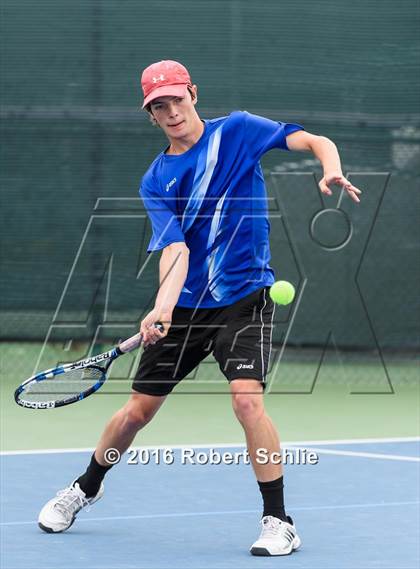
x=338, y=179
x=150, y=333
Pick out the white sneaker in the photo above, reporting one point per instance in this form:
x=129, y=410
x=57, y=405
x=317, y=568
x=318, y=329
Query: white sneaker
x=59, y=513
x=277, y=537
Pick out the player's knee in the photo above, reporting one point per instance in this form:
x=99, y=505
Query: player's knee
x=136, y=415
x=248, y=408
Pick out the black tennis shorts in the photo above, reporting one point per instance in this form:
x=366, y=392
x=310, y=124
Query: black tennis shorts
x=238, y=335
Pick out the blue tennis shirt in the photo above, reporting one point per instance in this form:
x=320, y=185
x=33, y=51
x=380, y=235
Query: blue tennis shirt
x=213, y=198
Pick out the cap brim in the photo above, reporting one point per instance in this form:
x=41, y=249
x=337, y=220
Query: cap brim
x=166, y=91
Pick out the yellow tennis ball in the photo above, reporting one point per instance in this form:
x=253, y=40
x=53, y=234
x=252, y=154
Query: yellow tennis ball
x=282, y=292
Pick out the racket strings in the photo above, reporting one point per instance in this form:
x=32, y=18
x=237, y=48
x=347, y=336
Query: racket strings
x=62, y=386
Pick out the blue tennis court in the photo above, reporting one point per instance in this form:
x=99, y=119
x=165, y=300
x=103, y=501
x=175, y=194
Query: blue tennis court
x=357, y=507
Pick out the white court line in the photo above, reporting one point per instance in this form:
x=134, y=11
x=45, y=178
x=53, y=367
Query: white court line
x=361, y=454
x=227, y=512
x=223, y=445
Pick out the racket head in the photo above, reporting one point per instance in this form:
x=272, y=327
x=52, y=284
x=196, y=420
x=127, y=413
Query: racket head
x=73, y=382
x=60, y=386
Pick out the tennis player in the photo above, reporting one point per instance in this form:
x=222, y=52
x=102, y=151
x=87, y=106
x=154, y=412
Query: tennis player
x=206, y=199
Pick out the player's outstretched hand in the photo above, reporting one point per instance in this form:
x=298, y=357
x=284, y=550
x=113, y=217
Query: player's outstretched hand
x=150, y=333
x=339, y=180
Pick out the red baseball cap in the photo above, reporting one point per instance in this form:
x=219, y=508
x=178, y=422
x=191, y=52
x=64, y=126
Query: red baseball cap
x=164, y=79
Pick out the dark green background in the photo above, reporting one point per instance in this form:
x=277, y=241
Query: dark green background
x=72, y=133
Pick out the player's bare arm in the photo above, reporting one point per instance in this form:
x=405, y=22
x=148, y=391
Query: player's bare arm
x=326, y=151
x=173, y=270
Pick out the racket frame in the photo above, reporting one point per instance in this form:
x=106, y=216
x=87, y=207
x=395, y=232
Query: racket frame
x=107, y=357
x=91, y=362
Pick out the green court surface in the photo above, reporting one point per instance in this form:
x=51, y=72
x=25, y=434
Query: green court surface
x=349, y=399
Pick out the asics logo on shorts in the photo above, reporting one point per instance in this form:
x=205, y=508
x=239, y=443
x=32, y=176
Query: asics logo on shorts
x=245, y=366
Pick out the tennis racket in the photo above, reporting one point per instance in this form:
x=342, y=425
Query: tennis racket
x=73, y=382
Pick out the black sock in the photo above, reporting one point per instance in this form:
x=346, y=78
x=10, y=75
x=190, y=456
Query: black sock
x=90, y=481
x=272, y=493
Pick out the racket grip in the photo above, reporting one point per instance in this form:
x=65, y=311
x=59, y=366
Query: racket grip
x=130, y=344
x=135, y=341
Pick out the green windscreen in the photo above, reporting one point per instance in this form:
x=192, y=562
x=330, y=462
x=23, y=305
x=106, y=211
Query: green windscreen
x=75, y=146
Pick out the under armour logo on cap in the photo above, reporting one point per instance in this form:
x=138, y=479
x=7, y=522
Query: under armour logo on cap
x=160, y=78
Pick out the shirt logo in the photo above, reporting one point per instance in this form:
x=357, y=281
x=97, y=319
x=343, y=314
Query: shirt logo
x=160, y=77
x=170, y=184
x=245, y=366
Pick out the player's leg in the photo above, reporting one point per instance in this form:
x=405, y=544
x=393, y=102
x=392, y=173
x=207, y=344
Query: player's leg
x=59, y=513
x=260, y=433
x=118, y=436
x=125, y=424
x=278, y=536
x=243, y=352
